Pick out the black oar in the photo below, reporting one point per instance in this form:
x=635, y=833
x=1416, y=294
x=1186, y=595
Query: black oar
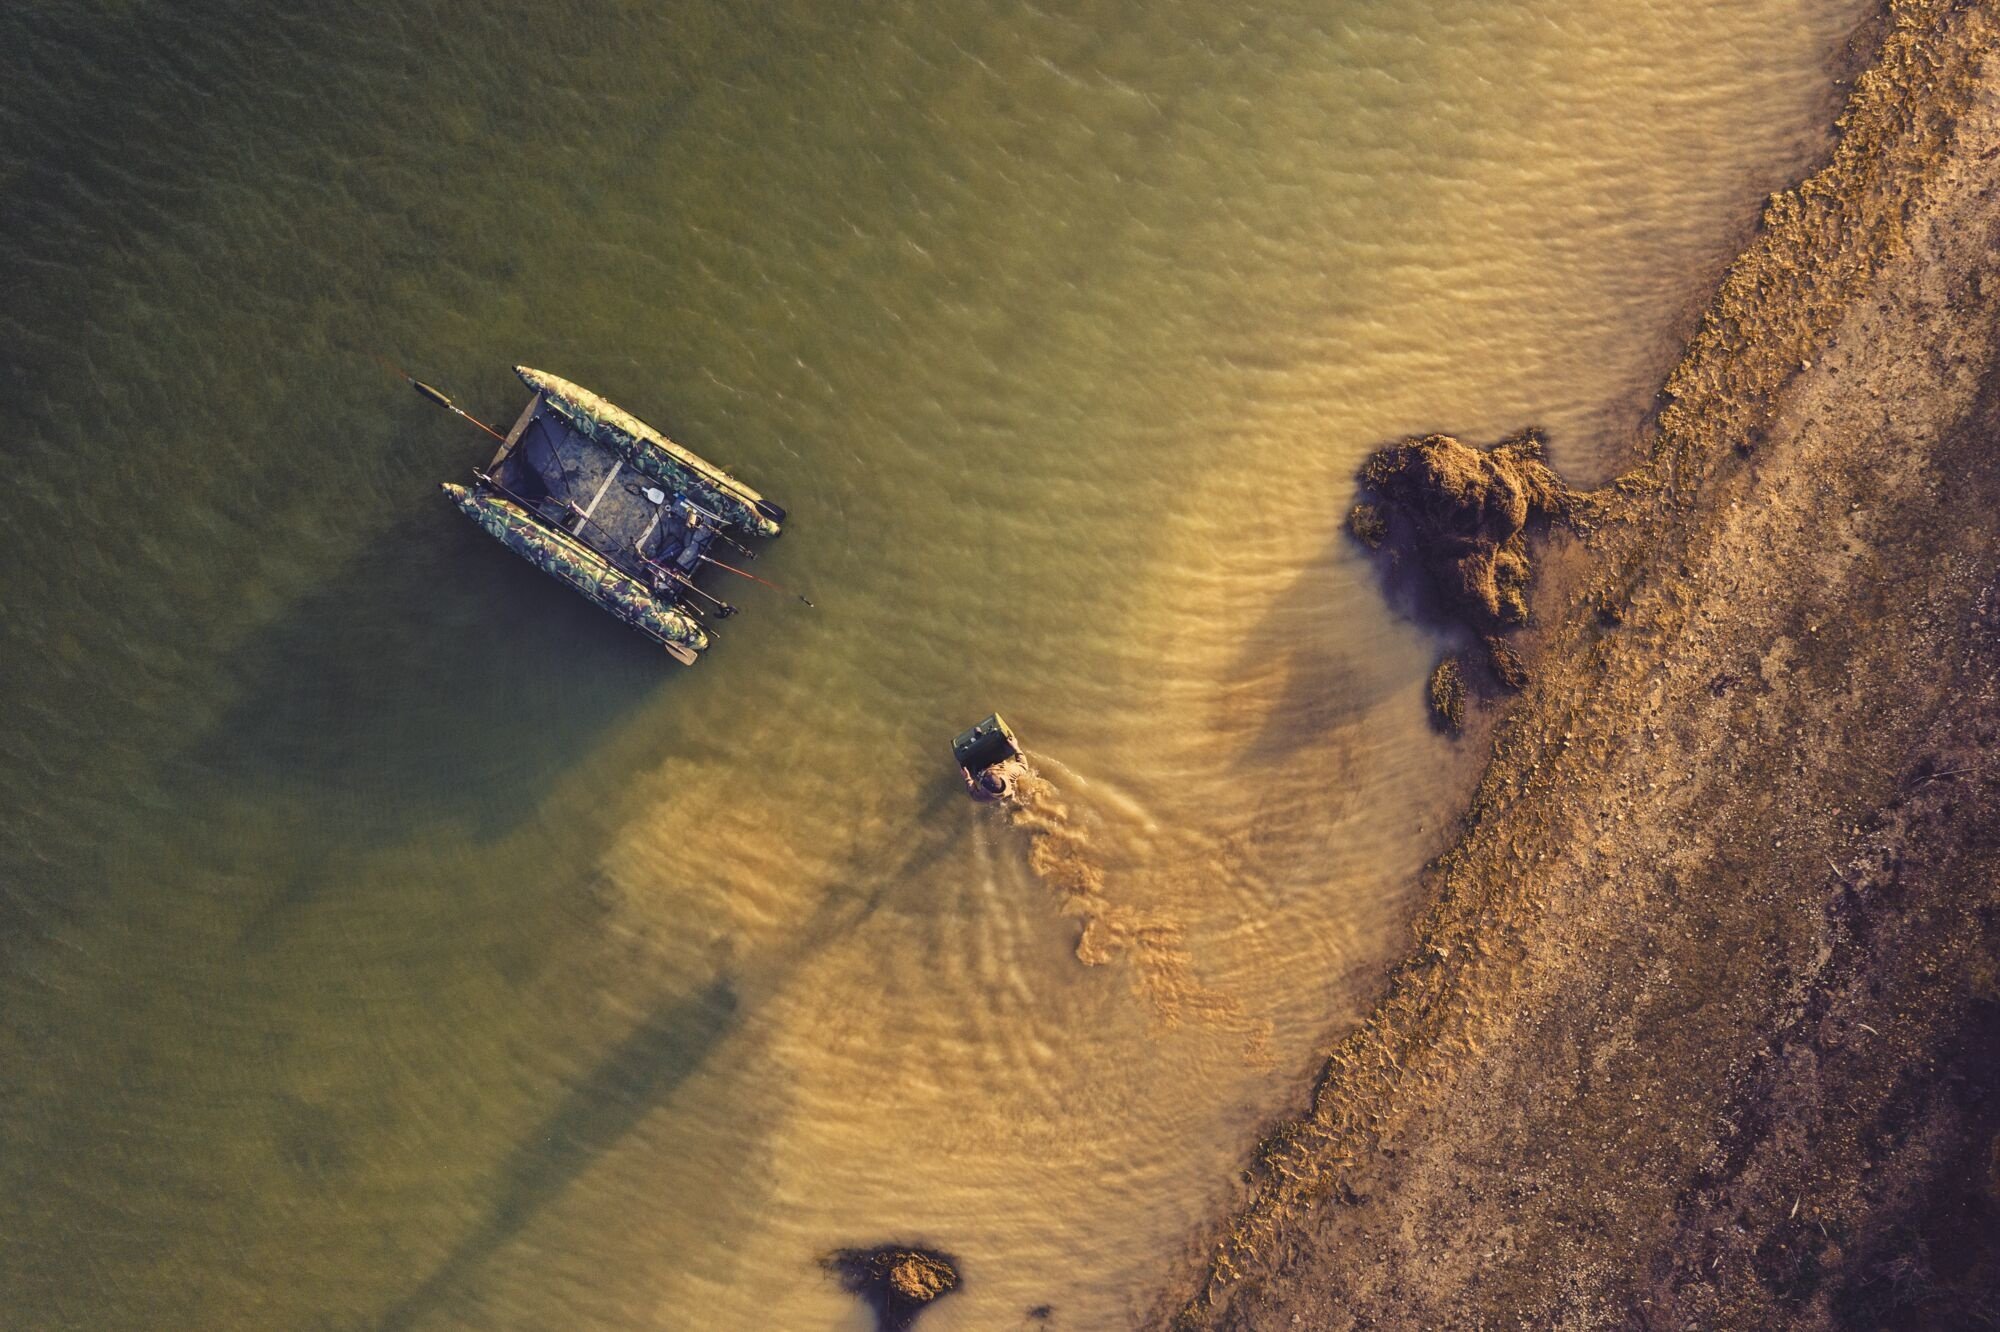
x=437, y=396
x=706, y=559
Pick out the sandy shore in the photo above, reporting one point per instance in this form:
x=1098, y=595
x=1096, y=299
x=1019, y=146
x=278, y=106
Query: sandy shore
x=1702, y=1027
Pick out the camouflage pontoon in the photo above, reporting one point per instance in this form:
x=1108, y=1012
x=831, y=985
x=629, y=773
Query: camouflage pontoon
x=599, y=500
x=653, y=453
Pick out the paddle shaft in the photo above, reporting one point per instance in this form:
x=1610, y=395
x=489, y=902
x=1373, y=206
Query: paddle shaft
x=441, y=398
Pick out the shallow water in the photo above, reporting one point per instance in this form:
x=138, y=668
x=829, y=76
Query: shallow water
x=391, y=940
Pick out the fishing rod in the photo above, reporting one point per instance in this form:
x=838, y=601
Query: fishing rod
x=488, y=479
x=755, y=579
x=726, y=610
x=715, y=522
x=723, y=610
x=438, y=396
x=484, y=478
x=717, y=533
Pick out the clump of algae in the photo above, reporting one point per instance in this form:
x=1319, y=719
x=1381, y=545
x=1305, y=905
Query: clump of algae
x=1448, y=694
x=1469, y=513
x=1369, y=525
x=1466, y=514
x=896, y=1282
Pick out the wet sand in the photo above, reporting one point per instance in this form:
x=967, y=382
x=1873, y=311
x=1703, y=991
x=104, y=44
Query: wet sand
x=1701, y=1026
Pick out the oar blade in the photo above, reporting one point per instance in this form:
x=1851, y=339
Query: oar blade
x=435, y=395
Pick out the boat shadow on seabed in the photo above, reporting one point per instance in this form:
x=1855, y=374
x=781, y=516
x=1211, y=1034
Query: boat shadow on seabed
x=467, y=711
x=639, y=1074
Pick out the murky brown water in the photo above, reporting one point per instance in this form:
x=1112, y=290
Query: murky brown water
x=391, y=940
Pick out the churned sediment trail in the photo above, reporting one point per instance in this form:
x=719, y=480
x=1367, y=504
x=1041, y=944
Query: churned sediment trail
x=1163, y=970
x=1700, y=1027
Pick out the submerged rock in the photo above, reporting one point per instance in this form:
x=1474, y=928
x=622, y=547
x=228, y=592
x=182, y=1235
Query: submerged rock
x=1467, y=512
x=898, y=1283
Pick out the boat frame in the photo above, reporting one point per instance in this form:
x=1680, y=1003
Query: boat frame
x=609, y=506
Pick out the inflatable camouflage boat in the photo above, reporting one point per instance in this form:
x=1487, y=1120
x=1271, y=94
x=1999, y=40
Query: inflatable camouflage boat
x=601, y=501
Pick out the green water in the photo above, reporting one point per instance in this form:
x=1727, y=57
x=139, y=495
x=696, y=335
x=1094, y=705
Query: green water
x=388, y=939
